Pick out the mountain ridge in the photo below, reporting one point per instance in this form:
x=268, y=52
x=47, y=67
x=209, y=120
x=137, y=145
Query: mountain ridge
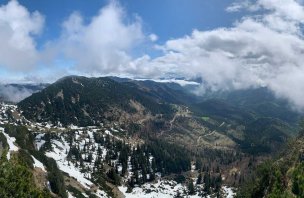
x=86, y=100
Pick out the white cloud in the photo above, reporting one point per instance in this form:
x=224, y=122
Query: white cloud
x=153, y=37
x=288, y=9
x=265, y=48
x=240, y=5
x=105, y=44
x=259, y=50
x=17, y=30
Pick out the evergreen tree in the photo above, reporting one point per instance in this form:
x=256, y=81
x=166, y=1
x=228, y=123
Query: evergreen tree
x=114, y=178
x=207, y=183
x=199, y=179
x=191, y=190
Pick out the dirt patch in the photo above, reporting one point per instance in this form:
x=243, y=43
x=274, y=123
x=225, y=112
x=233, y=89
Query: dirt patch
x=40, y=178
x=73, y=182
x=117, y=193
x=60, y=94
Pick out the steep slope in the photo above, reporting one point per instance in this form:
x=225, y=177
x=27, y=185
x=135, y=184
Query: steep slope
x=259, y=100
x=170, y=92
x=254, y=132
x=88, y=101
x=280, y=177
x=223, y=110
x=18, y=171
x=92, y=162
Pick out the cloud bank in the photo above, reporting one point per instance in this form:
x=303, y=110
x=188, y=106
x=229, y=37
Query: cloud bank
x=13, y=93
x=265, y=48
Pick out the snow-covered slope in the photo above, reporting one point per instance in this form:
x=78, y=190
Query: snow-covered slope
x=10, y=141
x=61, y=143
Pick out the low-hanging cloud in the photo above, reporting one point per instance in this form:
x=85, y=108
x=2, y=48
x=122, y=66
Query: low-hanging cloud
x=259, y=50
x=15, y=94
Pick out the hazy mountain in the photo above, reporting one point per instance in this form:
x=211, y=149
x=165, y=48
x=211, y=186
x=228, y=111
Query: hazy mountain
x=17, y=92
x=260, y=100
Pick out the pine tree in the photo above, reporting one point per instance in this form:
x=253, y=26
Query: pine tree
x=113, y=177
x=191, y=190
x=199, y=179
x=198, y=164
x=207, y=183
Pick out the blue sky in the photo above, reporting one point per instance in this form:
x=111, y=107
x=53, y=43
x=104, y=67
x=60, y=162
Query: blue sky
x=166, y=18
x=230, y=44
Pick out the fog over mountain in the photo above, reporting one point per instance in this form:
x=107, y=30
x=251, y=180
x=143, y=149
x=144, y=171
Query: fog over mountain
x=17, y=92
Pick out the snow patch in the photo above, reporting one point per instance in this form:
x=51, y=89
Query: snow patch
x=39, y=142
x=10, y=141
x=228, y=191
x=38, y=164
x=163, y=189
x=101, y=194
x=59, y=154
x=70, y=195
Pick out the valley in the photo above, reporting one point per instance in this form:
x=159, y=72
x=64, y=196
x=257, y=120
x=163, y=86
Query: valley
x=141, y=145
x=83, y=154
